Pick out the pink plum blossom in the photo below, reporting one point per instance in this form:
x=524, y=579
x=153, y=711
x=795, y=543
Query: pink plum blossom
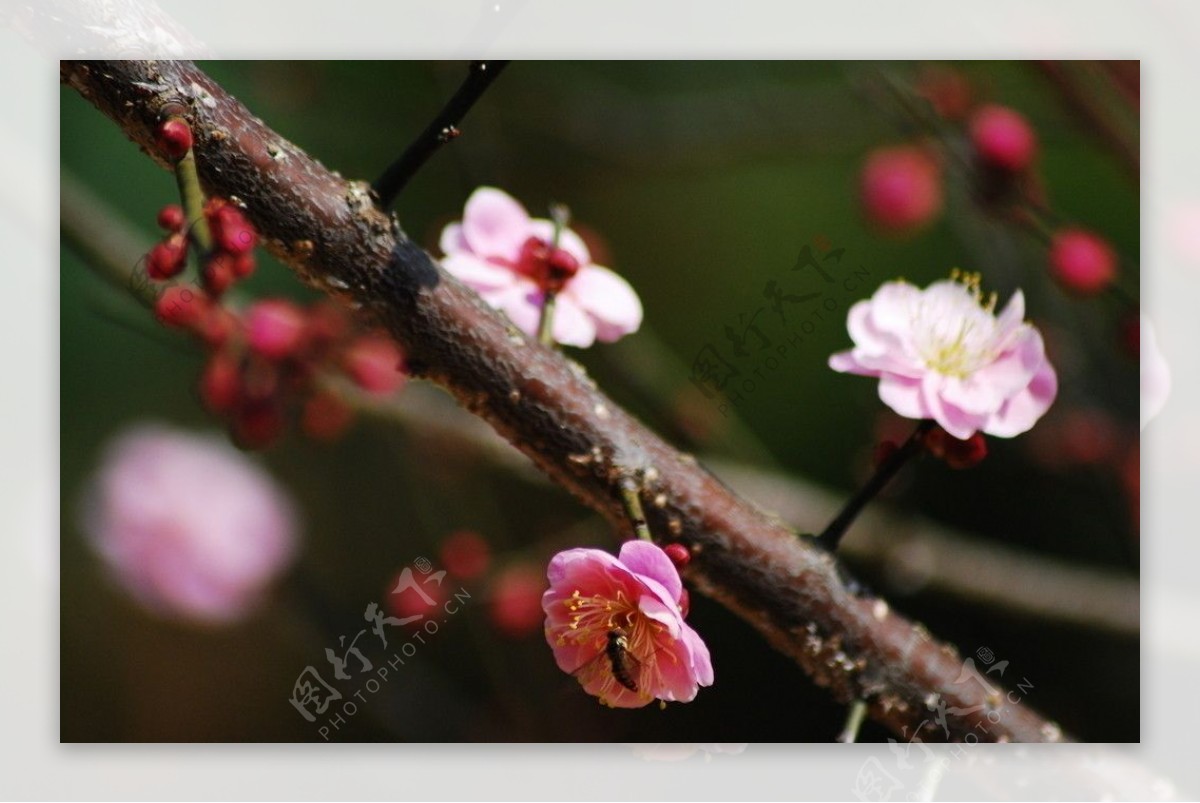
x=592, y=595
x=942, y=353
x=503, y=254
x=190, y=527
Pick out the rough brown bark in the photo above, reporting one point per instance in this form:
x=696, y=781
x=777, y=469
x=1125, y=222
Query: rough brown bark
x=330, y=232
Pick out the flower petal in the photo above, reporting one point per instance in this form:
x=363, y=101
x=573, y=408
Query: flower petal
x=479, y=275
x=494, y=224
x=1022, y=411
x=572, y=326
x=953, y=419
x=452, y=240
x=608, y=299
x=904, y=396
x=649, y=560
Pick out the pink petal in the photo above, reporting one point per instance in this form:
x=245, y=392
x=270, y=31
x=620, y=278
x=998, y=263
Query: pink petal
x=702, y=666
x=1021, y=412
x=954, y=420
x=494, y=224
x=523, y=304
x=568, y=240
x=904, y=396
x=891, y=308
x=480, y=276
x=867, y=338
x=569, y=562
x=608, y=299
x=452, y=240
x=847, y=363
x=572, y=326
x=665, y=613
x=988, y=388
x=1011, y=317
x=648, y=560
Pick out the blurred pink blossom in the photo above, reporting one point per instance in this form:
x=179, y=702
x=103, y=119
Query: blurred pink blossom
x=592, y=595
x=942, y=353
x=188, y=525
x=1156, y=373
x=490, y=251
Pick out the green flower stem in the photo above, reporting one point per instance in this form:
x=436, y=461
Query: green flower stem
x=546, y=323
x=633, y=506
x=560, y=215
x=193, y=202
x=854, y=721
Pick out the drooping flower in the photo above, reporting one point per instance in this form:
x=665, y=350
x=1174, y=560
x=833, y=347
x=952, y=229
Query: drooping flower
x=942, y=353
x=187, y=525
x=616, y=624
x=505, y=255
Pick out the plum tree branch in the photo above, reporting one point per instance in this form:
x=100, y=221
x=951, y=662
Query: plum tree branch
x=331, y=233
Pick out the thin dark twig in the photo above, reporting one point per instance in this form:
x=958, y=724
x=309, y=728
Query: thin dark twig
x=444, y=128
x=832, y=534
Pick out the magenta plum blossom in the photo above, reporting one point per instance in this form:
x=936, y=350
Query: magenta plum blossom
x=506, y=256
x=942, y=353
x=187, y=525
x=595, y=599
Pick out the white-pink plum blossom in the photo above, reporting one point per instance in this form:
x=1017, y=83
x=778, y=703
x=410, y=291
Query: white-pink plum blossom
x=186, y=524
x=502, y=253
x=942, y=353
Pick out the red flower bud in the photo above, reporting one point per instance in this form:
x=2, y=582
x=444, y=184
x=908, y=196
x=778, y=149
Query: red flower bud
x=947, y=90
x=957, y=453
x=243, y=265
x=170, y=217
x=465, y=554
x=257, y=425
x=218, y=274
x=516, y=600
x=219, y=383
x=550, y=268
x=231, y=231
x=174, y=138
x=217, y=326
x=1082, y=262
x=167, y=258
x=375, y=364
x=274, y=328
x=678, y=554
x=180, y=306
x=1003, y=138
x=900, y=188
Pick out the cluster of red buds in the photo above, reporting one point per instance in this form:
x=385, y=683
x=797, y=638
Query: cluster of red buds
x=230, y=258
x=274, y=359
x=954, y=452
x=900, y=187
